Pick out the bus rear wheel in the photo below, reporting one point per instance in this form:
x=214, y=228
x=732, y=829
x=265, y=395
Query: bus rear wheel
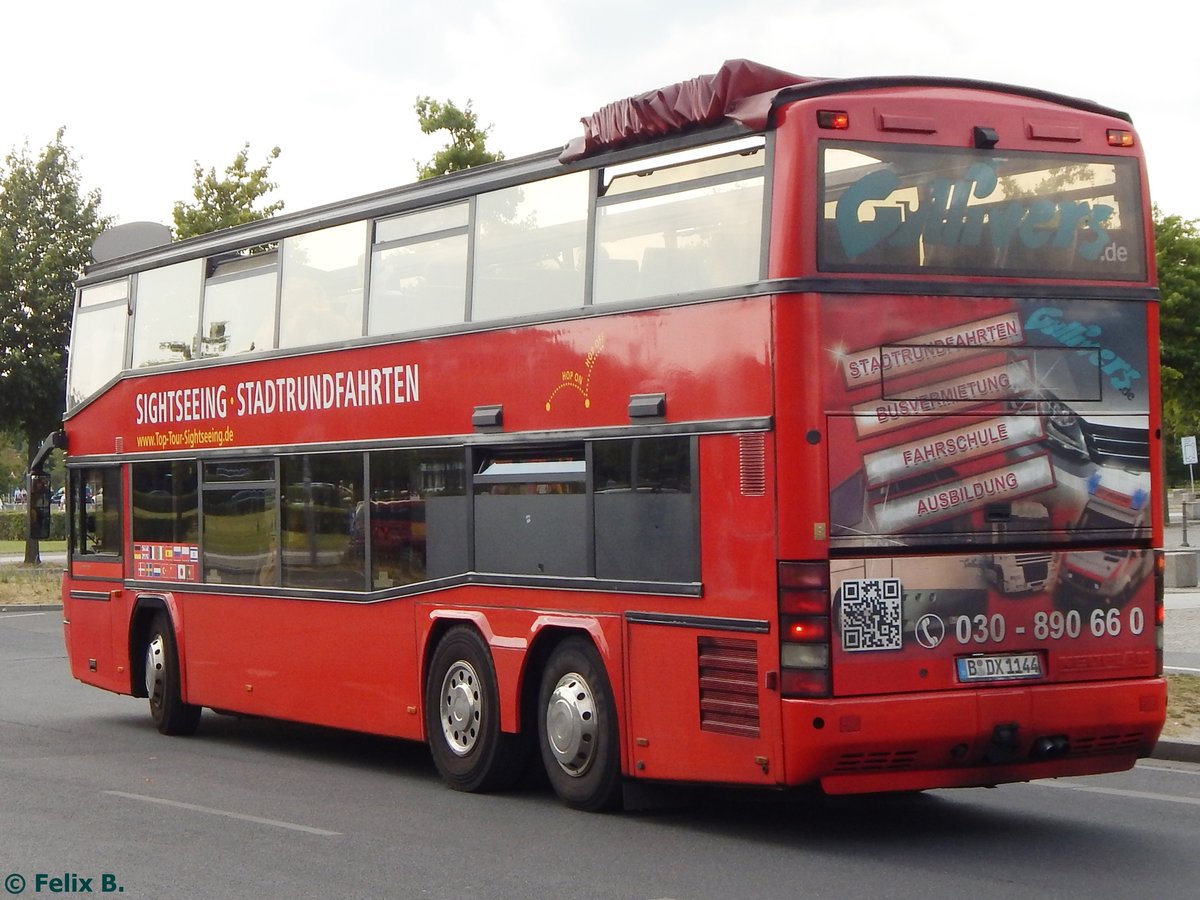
x=462, y=716
x=577, y=727
x=170, y=713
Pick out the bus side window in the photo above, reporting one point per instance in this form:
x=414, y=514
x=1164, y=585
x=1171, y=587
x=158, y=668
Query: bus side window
x=96, y=501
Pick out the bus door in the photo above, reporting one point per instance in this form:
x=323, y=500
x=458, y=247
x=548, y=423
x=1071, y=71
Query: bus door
x=95, y=612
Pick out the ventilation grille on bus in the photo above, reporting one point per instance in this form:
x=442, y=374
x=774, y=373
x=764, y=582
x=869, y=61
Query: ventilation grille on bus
x=752, y=464
x=1104, y=744
x=878, y=761
x=728, y=686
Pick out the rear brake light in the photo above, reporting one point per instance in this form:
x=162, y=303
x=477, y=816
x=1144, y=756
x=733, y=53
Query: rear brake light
x=833, y=118
x=805, y=683
x=803, y=576
x=1120, y=137
x=805, y=626
x=806, y=629
x=804, y=603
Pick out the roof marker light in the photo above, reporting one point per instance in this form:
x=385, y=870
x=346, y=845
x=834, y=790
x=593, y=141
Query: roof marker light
x=1119, y=137
x=832, y=118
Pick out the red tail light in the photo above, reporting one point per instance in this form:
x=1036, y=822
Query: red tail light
x=805, y=683
x=804, y=629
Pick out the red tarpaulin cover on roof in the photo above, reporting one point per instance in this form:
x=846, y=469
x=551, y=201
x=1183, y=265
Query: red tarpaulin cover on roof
x=740, y=90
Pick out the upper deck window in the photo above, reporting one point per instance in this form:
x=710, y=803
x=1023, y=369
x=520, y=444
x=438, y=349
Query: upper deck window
x=323, y=283
x=672, y=225
x=166, y=313
x=98, y=342
x=419, y=271
x=239, y=304
x=900, y=209
x=100, y=294
x=529, y=243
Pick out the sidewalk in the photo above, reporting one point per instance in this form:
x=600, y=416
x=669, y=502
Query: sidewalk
x=1183, y=625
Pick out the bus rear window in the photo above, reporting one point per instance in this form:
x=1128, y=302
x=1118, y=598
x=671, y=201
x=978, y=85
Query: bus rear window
x=922, y=210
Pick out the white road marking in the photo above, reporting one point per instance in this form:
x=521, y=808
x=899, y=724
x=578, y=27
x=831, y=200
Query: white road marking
x=258, y=820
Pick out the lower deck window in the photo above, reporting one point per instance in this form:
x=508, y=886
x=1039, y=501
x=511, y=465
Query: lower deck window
x=166, y=502
x=320, y=496
x=647, y=523
x=621, y=510
x=239, y=532
x=531, y=515
x=418, y=516
x=96, y=511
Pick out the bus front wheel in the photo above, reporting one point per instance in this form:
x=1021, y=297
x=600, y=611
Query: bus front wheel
x=170, y=713
x=462, y=716
x=577, y=727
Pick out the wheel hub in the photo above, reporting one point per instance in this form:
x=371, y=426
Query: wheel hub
x=154, y=668
x=571, y=724
x=461, y=708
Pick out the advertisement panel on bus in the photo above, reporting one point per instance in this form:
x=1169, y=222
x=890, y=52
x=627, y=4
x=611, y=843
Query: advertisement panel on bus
x=946, y=622
x=987, y=422
x=1011, y=437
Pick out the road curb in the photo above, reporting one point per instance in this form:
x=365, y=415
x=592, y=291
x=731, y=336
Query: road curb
x=28, y=607
x=1177, y=751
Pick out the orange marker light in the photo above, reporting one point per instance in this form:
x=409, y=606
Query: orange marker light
x=1118, y=137
x=831, y=118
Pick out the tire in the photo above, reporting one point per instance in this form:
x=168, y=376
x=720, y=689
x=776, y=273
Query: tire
x=167, y=708
x=577, y=727
x=462, y=717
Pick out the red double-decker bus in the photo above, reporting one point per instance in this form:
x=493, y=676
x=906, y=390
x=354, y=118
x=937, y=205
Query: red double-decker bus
x=779, y=431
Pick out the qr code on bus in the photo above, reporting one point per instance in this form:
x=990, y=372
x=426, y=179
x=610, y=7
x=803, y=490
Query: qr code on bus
x=872, y=614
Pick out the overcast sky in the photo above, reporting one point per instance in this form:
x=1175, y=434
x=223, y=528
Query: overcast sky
x=146, y=88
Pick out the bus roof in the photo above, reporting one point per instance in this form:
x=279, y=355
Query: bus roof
x=745, y=92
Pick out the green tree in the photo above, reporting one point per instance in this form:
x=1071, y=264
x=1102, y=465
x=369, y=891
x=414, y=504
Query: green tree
x=467, y=146
x=228, y=201
x=12, y=464
x=47, y=226
x=1177, y=252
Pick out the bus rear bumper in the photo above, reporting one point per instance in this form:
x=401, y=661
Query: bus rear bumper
x=971, y=738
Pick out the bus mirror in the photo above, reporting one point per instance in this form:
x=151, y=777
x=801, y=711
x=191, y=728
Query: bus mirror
x=39, y=506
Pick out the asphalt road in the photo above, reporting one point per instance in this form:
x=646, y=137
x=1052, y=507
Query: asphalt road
x=251, y=809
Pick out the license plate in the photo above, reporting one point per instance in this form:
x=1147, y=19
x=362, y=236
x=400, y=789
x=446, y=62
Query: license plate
x=999, y=667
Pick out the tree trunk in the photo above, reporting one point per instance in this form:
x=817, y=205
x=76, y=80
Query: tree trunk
x=33, y=554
